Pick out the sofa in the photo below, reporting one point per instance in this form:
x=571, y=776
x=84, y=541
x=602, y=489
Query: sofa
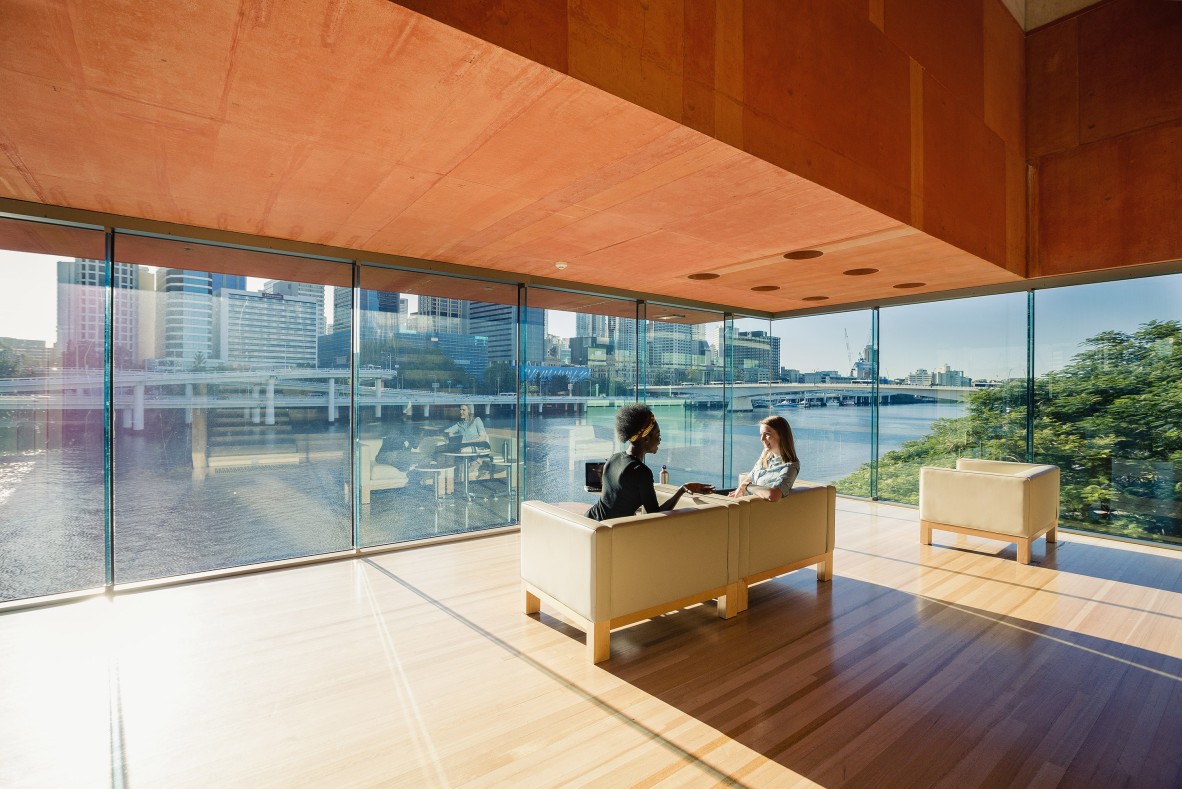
x=602, y=576
x=997, y=499
x=775, y=538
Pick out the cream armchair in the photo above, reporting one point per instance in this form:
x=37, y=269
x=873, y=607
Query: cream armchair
x=1000, y=500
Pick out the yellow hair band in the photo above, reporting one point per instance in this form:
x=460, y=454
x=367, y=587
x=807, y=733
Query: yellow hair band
x=652, y=421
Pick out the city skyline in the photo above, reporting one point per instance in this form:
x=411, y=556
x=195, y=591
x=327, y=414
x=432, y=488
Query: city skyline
x=987, y=342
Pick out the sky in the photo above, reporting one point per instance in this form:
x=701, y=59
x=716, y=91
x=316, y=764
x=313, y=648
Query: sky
x=982, y=337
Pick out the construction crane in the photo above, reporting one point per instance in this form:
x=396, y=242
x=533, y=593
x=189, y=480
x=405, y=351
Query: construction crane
x=848, y=352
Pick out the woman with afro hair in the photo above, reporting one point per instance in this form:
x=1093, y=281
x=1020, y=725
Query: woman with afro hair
x=627, y=481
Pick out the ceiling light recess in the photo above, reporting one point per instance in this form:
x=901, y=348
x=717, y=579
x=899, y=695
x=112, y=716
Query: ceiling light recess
x=816, y=298
x=803, y=254
x=909, y=285
x=705, y=275
x=765, y=288
x=859, y=272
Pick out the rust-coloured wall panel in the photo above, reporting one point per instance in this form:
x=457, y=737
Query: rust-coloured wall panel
x=964, y=193
x=634, y=51
x=1130, y=67
x=848, y=104
x=1052, y=89
x=697, y=109
x=536, y=29
x=1005, y=76
x=947, y=39
x=1112, y=203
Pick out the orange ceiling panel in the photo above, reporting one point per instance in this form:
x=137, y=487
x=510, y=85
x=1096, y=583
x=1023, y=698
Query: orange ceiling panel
x=369, y=127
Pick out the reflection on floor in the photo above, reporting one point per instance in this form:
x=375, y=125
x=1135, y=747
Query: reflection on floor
x=917, y=666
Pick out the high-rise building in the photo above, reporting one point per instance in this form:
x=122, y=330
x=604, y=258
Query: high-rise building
x=266, y=329
x=447, y=315
x=82, y=313
x=305, y=290
x=184, y=315
x=756, y=355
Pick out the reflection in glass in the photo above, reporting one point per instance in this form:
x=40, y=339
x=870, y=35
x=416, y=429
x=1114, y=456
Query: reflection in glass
x=1108, y=404
x=953, y=385
x=581, y=365
x=437, y=405
x=686, y=392
x=52, y=329
x=825, y=393
x=231, y=441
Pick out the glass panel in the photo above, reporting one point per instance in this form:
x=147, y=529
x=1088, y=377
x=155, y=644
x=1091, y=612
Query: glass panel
x=52, y=327
x=437, y=419
x=1108, y=395
x=755, y=364
x=231, y=440
x=580, y=366
x=825, y=394
x=685, y=390
x=953, y=385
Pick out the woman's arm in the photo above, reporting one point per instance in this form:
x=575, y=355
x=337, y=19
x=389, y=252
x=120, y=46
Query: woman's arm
x=689, y=487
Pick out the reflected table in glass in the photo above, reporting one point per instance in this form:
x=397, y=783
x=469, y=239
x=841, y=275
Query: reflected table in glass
x=466, y=458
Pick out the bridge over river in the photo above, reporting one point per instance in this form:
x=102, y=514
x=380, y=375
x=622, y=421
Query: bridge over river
x=263, y=391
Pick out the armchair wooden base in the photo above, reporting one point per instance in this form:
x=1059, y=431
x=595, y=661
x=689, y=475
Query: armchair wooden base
x=1023, y=543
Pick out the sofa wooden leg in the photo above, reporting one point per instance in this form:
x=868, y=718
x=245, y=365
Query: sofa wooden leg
x=533, y=604
x=599, y=646
x=925, y=533
x=1053, y=535
x=1023, y=551
x=825, y=568
x=728, y=604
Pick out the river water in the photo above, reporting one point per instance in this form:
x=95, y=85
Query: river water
x=168, y=520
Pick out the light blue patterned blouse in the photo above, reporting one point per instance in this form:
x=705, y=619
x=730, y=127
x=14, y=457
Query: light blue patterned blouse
x=778, y=474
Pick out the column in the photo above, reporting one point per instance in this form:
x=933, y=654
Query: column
x=377, y=393
x=188, y=404
x=137, y=407
x=256, y=413
x=270, y=417
x=332, y=399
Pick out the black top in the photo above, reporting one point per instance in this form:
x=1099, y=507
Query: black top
x=627, y=486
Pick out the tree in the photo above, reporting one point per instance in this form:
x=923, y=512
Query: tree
x=1111, y=420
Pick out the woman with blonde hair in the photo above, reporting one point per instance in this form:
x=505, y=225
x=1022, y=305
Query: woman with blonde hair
x=777, y=467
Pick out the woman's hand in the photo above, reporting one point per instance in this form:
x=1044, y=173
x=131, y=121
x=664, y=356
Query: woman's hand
x=739, y=491
x=698, y=487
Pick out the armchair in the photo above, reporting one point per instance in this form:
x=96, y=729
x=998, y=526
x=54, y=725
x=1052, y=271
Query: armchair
x=375, y=475
x=1015, y=502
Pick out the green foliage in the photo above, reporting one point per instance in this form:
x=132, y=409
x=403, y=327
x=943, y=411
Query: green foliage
x=1111, y=420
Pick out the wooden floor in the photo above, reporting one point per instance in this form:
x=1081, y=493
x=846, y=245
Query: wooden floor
x=948, y=665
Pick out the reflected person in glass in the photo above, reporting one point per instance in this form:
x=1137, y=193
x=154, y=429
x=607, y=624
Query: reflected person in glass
x=627, y=481
x=777, y=467
x=473, y=437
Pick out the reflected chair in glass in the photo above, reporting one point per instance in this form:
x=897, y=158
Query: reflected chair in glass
x=375, y=475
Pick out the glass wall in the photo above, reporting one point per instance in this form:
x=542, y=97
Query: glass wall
x=686, y=391
x=53, y=317
x=952, y=384
x=437, y=404
x=247, y=417
x=582, y=355
x=826, y=393
x=750, y=356
x=231, y=439
x=1108, y=404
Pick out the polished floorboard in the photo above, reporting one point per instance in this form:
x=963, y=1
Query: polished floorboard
x=948, y=665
